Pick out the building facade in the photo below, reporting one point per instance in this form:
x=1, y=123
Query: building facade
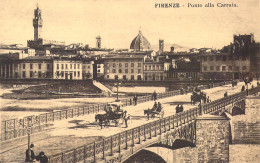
x=224, y=66
x=38, y=67
x=153, y=71
x=67, y=69
x=124, y=67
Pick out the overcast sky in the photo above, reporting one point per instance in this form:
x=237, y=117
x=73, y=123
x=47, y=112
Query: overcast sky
x=118, y=21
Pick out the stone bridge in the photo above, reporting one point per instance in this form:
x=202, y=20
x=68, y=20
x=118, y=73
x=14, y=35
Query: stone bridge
x=200, y=128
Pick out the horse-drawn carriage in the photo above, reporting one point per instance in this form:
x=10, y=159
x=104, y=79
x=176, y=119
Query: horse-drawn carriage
x=113, y=113
x=197, y=97
x=156, y=110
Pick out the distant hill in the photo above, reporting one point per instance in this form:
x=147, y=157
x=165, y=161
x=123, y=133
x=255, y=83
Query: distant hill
x=167, y=47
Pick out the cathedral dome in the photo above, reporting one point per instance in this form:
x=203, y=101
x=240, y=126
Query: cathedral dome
x=140, y=43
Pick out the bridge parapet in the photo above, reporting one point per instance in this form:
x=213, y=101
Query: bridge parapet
x=113, y=148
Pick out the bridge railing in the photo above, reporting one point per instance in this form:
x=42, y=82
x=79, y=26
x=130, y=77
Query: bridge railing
x=129, y=138
x=123, y=140
x=14, y=128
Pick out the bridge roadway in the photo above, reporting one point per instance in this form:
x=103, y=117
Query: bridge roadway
x=71, y=133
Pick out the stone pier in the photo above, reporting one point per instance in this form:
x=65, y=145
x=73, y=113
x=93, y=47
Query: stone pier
x=212, y=138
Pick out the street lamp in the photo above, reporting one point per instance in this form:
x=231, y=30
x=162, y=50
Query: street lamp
x=117, y=85
x=28, y=129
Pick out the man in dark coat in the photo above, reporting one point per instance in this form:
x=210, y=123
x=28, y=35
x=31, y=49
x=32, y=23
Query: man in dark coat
x=181, y=108
x=42, y=158
x=177, y=108
x=29, y=154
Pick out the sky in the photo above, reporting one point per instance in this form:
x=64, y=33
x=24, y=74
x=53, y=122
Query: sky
x=118, y=21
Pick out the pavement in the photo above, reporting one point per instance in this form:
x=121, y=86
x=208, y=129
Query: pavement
x=71, y=133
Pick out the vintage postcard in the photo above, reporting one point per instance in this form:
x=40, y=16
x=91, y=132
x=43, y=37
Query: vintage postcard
x=131, y=81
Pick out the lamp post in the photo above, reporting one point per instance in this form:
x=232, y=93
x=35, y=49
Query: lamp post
x=28, y=129
x=117, y=85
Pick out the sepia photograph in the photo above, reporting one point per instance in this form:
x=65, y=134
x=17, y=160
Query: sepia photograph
x=130, y=81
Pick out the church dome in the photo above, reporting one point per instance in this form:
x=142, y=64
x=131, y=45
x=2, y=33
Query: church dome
x=140, y=43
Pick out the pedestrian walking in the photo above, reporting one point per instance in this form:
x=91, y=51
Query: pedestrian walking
x=177, y=108
x=225, y=94
x=181, y=108
x=29, y=154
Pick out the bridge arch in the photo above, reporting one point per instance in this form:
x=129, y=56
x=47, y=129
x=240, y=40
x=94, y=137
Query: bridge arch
x=145, y=156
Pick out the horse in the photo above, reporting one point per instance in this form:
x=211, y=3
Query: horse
x=150, y=112
x=115, y=116
x=102, y=118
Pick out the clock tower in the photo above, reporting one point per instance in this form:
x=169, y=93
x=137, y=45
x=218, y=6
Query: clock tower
x=37, y=23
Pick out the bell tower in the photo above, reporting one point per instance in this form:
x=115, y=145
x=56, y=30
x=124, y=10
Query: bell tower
x=98, y=42
x=37, y=23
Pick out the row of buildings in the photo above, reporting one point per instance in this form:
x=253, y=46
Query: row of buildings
x=46, y=59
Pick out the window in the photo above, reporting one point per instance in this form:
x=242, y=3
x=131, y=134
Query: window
x=145, y=67
x=126, y=64
x=132, y=70
x=58, y=66
x=74, y=73
x=120, y=70
x=139, y=71
x=114, y=65
x=205, y=58
x=139, y=64
x=39, y=66
x=224, y=58
x=132, y=77
x=24, y=74
x=150, y=67
x=244, y=68
x=66, y=66
x=39, y=74
x=205, y=68
x=70, y=66
x=237, y=68
x=97, y=71
x=223, y=68
x=124, y=77
x=88, y=66
x=31, y=74
x=62, y=66
x=211, y=68
x=211, y=58
x=114, y=71
x=132, y=64
x=158, y=67
x=78, y=66
x=31, y=66
x=62, y=73
x=120, y=64
x=218, y=58
x=116, y=77
x=230, y=68
x=217, y=68
x=57, y=73
x=75, y=66
x=78, y=73
x=107, y=76
x=126, y=71
x=23, y=66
